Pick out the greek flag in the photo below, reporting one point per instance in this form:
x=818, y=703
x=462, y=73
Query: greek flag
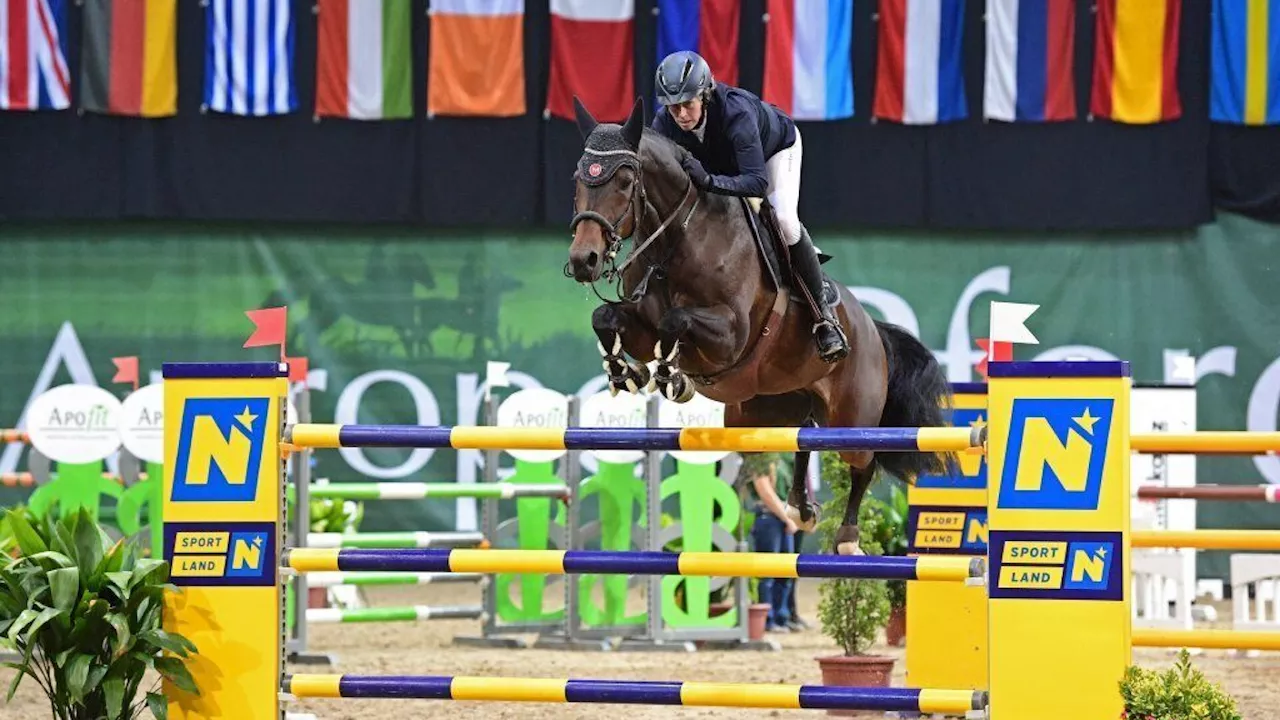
x=249, y=57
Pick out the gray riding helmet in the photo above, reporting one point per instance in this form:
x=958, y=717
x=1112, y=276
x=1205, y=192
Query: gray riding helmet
x=681, y=77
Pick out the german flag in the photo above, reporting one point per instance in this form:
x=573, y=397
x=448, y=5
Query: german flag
x=129, y=65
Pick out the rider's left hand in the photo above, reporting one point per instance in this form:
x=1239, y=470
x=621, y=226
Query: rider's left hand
x=697, y=173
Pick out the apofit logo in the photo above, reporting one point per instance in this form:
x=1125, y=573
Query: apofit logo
x=1056, y=453
x=1057, y=565
x=220, y=449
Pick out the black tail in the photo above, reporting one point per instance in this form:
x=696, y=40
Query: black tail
x=919, y=396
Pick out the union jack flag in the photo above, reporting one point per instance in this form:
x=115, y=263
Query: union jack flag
x=33, y=55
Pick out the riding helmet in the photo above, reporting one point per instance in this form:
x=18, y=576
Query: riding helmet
x=682, y=76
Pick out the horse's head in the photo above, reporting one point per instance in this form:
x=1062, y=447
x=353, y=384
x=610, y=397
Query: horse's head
x=608, y=191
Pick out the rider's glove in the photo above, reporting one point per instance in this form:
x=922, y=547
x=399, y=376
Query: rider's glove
x=697, y=173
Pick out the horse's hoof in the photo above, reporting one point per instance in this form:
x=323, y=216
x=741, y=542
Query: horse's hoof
x=847, y=540
x=795, y=516
x=848, y=548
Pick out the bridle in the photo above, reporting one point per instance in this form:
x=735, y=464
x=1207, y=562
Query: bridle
x=599, y=173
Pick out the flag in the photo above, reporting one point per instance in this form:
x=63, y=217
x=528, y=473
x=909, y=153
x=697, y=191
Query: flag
x=919, y=80
x=592, y=56
x=1245, y=62
x=364, y=67
x=129, y=63
x=1135, y=62
x=1030, y=60
x=992, y=351
x=477, y=58
x=249, y=57
x=1008, y=323
x=33, y=55
x=298, y=368
x=269, y=327
x=707, y=27
x=126, y=367
x=808, y=66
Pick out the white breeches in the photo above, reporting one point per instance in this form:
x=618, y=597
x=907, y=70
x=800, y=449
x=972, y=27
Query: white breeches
x=784, y=189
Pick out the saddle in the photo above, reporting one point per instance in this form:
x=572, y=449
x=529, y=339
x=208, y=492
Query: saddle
x=767, y=236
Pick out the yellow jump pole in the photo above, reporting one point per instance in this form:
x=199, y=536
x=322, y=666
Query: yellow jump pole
x=222, y=430
x=947, y=515
x=1058, y=513
x=1207, y=442
x=1206, y=639
x=1208, y=539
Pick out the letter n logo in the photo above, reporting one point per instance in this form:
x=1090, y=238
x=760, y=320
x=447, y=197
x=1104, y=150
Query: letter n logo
x=1056, y=453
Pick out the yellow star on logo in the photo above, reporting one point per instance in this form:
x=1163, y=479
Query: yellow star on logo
x=1086, y=421
x=246, y=418
x=981, y=422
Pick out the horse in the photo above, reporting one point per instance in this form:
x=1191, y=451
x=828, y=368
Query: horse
x=700, y=296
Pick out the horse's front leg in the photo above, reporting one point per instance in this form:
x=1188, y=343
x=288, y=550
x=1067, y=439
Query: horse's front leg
x=621, y=330
x=711, y=330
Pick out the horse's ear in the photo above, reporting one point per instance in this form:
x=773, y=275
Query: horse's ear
x=633, y=130
x=586, y=123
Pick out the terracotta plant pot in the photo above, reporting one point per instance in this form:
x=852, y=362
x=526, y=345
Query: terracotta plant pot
x=896, y=631
x=317, y=597
x=757, y=617
x=856, y=671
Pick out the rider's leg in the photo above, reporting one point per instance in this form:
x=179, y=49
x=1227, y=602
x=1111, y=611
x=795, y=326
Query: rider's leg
x=784, y=194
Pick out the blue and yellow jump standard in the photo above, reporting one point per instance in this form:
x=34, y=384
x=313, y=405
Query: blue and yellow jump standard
x=947, y=516
x=222, y=518
x=555, y=690
x=1058, y=513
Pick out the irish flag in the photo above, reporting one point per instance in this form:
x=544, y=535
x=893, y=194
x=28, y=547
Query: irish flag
x=363, y=63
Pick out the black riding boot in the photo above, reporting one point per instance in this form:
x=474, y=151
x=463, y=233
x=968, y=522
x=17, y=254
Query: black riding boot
x=832, y=345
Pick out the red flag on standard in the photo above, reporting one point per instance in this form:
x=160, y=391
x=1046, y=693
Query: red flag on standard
x=126, y=369
x=298, y=368
x=270, y=324
x=592, y=56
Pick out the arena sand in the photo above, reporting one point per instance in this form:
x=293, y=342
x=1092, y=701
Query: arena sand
x=425, y=648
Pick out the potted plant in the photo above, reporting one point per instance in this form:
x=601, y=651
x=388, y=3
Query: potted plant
x=84, y=613
x=1176, y=693
x=852, y=612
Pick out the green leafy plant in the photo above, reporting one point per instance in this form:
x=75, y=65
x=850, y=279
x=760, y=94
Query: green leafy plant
x=890, y=532
x=85, y=614
x=852, y=612
x=1178, y=693
x=334, y=515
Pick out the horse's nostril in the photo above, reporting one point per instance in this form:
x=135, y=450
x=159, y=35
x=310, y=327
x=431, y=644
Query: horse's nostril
x=592, y=259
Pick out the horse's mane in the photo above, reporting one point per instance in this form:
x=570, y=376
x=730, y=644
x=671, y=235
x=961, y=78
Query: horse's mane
x=660, y=150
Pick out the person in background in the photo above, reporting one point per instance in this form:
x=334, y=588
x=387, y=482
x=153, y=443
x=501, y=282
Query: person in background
x=767, y=477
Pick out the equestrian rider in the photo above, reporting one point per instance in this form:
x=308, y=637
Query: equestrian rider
x=743, y=146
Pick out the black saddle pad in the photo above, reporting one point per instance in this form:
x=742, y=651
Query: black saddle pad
x=770, y=247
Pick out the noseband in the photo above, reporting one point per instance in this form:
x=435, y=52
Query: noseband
x=597, y=167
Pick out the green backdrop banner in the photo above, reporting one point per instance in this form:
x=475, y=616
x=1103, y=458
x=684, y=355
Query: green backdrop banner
x=398, y=326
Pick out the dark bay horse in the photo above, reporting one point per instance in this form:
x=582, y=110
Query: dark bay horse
x=698, y=296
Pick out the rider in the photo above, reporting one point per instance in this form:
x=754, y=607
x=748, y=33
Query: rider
x=743, y=146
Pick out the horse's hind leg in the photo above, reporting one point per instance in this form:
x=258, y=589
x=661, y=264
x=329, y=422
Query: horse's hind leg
x=619, y=331
x=861, y=472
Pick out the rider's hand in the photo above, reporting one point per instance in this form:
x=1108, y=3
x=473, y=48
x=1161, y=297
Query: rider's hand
x=697, y=173
x=790, y=526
